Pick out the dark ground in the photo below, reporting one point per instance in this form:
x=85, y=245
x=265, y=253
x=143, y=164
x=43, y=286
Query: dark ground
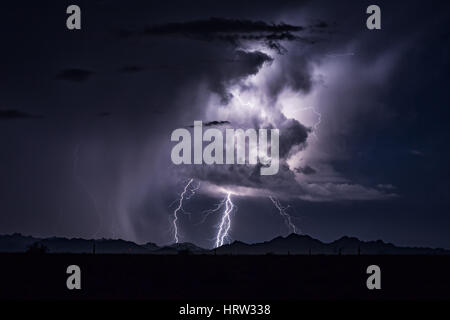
x=28, y=276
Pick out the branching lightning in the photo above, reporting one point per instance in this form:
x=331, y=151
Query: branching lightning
x=225, y=223
x=206, y=213
x=187, y=193
x=287, y=218
x=241, y=102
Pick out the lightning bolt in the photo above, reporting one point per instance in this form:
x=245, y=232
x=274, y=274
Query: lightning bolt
x=241, y=102
x=187, y=193
x=206, y=213
x=317, y=123
x=284, y=214
x=225, y=223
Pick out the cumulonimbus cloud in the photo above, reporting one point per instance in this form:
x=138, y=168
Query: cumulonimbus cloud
x=234, y=31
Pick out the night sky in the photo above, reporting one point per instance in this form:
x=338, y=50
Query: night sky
x=86, y=118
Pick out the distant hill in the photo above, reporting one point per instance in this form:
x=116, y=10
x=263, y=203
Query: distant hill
x=63, y=245
x=303, y=244
x=292, y=244
x=20, y=243
x=180, y=248
x=16, y=242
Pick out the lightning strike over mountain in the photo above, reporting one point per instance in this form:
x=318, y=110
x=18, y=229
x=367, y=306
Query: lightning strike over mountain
x=287, y=218
x=187, y=193
x=225, y=223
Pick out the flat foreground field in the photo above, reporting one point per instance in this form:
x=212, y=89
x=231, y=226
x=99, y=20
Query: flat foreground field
x=198, y=277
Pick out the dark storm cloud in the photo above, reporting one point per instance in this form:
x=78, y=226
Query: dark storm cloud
x=242, y=65
x=221, y=78
x=75, y=75
x=305, y=170
x=298, y=77
x=16, y=114
x=292, y=134
x=216, y=123
x=232, y=31
x=217, y=26
x=213, y=123
x=243, y=176
x=246, y=63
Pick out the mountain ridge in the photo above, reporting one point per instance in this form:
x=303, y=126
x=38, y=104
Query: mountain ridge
x=291, y=244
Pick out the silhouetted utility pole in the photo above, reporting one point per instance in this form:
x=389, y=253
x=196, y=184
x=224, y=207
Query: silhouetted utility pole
x=339, y=252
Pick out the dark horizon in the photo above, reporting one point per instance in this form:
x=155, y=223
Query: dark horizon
x=291, y=243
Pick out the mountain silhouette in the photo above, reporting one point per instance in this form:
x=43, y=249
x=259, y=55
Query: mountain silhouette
x=177, y=248
x=292, y=244
x=19, y=243
x=304, y=244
